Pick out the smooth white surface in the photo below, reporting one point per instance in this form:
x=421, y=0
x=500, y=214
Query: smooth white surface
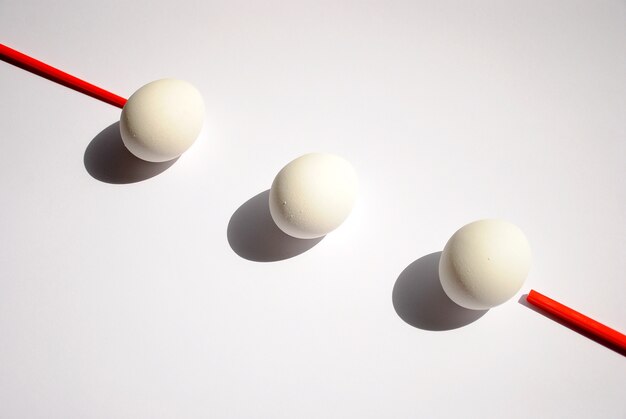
x=126, y=301
x=162, y=119
x=313, y=194
x=484, y=264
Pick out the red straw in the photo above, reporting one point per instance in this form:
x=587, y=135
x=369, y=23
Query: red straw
x=44, y=70
x=578, y=320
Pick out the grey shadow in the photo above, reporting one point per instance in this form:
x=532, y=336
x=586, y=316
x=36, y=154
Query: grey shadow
x=253, y=235
x=108, y=160
x=419, y=298
x=523, y=301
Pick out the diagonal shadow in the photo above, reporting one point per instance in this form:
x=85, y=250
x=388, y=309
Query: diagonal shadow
x=419, y=298
x=253, y=235
x=108, y=160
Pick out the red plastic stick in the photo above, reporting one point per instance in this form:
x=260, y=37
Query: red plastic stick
x=44, y=70
x=578, y=320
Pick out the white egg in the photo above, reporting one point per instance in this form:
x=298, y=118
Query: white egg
x=312, y=195
x=162, y=119
x=484, y=264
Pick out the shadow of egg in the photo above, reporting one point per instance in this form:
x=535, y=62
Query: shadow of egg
x=108, y=160
x=253, y=235
x=419, y=298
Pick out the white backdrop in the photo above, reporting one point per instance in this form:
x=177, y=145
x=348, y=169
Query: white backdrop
x=129, y=291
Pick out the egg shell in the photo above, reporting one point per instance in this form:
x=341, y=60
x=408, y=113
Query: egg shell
x=484, y=264
x=162, y=119
x=312, y=195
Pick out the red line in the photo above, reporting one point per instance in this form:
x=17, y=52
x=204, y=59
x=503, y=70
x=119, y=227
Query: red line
x=578, y=320
x=44, y=70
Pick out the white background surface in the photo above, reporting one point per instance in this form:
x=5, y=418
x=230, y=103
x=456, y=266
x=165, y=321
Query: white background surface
x=127, y=301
